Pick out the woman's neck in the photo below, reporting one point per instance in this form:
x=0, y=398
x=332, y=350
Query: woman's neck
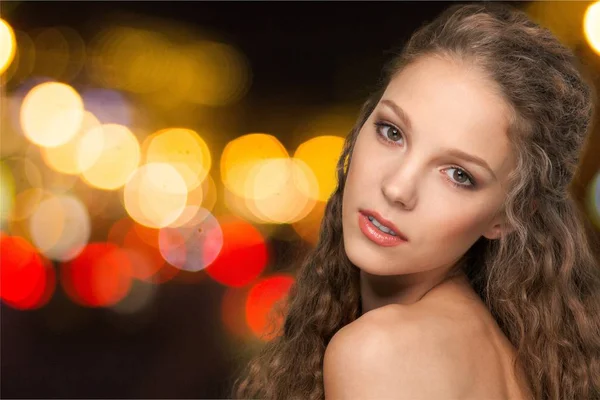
x=378, y=291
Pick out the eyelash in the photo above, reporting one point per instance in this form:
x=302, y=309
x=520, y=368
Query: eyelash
x=379, y=125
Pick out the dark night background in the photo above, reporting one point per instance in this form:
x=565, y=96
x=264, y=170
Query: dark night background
x=303, y=55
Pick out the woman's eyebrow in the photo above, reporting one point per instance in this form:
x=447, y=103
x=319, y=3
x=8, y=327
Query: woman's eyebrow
x=399, y=112
x=453, y=152
x=471, y=158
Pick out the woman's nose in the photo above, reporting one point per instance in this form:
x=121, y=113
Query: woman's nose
x=400, y=187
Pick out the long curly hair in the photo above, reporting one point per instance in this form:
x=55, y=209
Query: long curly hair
x=541, y=281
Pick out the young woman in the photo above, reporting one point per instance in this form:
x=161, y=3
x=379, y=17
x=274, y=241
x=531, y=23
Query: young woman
x=452, y=261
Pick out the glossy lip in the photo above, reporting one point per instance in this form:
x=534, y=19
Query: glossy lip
x=376, y=236
x=388, y=224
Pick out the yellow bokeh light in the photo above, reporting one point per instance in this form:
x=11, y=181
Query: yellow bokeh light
x=243, y=208
x=562, y=18
x=50, y=179
x=59, y=53
x=132, y=59
x=51, y=114
x=185, y=150
x=242, y=153
x=8, y=45
x=309, y=227
x=25, y=172
x=52, y=53
x=332, y=121
x=117, y=159
x=24, y=60
x=591, y=26
x=12, y=142
x=60, y=227
x=209, y=194
x=26, y=202
x=222, y=74
x=7, y=194
x=283, y=190
x=191, y=208
x=64, y=158
x=155, y=195
x=215, y=74
x=321, y=154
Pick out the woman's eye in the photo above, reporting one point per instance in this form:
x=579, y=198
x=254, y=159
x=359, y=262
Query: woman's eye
x=388, y=132
x=460, y=177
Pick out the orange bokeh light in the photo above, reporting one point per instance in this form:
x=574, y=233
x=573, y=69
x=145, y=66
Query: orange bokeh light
x=144, y=241
x=141, y=243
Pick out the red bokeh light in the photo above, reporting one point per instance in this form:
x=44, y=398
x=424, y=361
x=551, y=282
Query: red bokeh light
x=27, y=279
x=100, y=276
x=141, y=243
x=243, y=256
x=149, y=260
x=261, y=301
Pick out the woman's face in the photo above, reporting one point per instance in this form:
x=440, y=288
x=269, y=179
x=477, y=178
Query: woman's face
x=438, y=174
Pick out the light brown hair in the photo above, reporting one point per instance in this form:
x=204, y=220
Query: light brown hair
x=541, y=281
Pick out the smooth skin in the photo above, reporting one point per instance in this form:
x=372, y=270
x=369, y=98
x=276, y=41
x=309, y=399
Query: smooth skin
x=423, y=335
x=444, y=347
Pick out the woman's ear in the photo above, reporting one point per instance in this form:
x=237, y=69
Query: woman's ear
x=497, y=229
x=499, y=226
x=494, y=233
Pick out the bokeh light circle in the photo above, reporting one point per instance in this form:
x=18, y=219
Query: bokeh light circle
x=23, y=62
x=244, y=255
x=591, y=26
x=185, y=150
x=60, y=227
x=155, y=195
x=64, y=158
x=192, y=246
x=100, y=276
x=51, y=53
x=7, y=193
x=309, y=227
x=321, y=154
x=114, y=162
x=282, y=190
x=22, y=271
x=262, y=302
x=141, y=242
x=8, y=45
x=26, y=202
x=592, y=199
x=218, y=75
x=51, y=114
x=243, y=153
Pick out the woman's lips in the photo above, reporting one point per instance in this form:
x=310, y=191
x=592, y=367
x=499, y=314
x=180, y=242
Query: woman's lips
x=375, y=235
x=388, y=224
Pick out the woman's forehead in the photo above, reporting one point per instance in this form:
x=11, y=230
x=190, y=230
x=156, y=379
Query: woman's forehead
x=453, y=106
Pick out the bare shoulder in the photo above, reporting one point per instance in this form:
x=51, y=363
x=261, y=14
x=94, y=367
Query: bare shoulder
x=394, y=352
x=480, y=347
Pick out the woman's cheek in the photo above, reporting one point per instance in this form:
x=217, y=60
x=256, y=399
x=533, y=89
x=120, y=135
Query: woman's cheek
x=456, y=226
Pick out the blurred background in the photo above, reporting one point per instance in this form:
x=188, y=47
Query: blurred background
x=164, y=167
